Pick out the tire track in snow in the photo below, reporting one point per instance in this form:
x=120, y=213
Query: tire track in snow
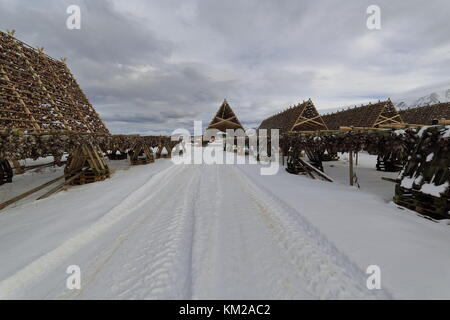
x=158, y=254
x=206, y=226
x=43, y=265
x=233, y=254
x=203, y=232
x=328, y=273
x=267, y=273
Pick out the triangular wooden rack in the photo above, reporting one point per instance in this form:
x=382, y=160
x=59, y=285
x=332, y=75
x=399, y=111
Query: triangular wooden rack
x=141, y=154
x=309, y=119
x=86, y=160
x=388, y=115
x=225, y=118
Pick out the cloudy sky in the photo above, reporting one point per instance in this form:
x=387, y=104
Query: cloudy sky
x=152, y=66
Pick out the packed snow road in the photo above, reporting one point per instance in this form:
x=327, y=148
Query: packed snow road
x=189, y=232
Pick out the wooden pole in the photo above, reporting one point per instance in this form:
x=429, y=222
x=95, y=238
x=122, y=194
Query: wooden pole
x=57, y=188
x=357, y=158
x=350, y=164
x=26, y=194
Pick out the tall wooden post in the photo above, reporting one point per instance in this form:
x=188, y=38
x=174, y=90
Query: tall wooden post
x=350, y=164
x=357, y=158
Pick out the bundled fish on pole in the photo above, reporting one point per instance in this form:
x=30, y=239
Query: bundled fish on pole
x=424, y=182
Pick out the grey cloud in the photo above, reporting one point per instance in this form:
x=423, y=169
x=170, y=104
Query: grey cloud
x=153, y=66
x=106, y=35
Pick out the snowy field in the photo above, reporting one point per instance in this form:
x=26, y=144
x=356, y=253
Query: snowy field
x=165, y=231
x=369, y=179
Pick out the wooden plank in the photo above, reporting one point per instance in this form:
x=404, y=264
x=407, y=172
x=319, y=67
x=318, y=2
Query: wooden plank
x=345, y=128
x=96, y=155
x=90, y=158
x=307, y=169
x=400, y=125
x=389, y=179
x=317, y=171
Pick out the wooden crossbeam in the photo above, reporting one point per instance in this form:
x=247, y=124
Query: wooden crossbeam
x=228, y=119
x=309, y=120
x=225, y=121
x=231, y=122
x=387, y=119
x=308, y=107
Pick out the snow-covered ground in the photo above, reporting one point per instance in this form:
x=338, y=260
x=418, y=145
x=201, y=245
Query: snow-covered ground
x=368, y=178
x=27, y=181
x=35, y=177
x=222, y=231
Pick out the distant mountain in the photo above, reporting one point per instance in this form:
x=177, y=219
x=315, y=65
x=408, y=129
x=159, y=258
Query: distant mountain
x=404, y=100
x=432, y=98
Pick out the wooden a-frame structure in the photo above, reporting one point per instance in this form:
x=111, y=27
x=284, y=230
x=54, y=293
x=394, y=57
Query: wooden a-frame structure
x=302, y=117
x=141, y=154
x=225, y=118
x=86, y=164
x=388, y=115
x=308, y=118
